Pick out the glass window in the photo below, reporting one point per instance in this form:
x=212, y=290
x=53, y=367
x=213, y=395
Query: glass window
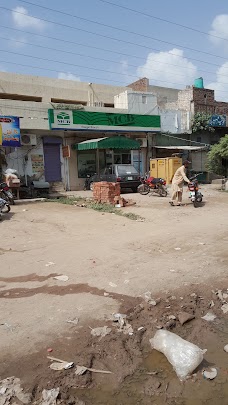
x=86, y=163
x=128, y=169
x=144, y=99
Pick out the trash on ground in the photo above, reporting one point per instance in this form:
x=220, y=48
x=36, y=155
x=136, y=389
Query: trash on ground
x=127, y=329
x=209, y=317
x=126, y=281
x=120, y=318
x=49, y=397
x=61, y=278
x=170, y=324
x=140, y=328
x=80, y=370
x=224, y=308
x=151, y=301
x=225, y=296
x=8, y=326
x=219, y=295
x=210, y=375
x=185, y=317
x=226, y=348
x=49, y=264
x=194, y=295
x=211, y=304
x=112, y=284
x=106, y=294
x=60, y=364
x=49, y=350
x=73, y=321
x=177, y=248
x=184, y=356
x=11, y=390
x=101, y=331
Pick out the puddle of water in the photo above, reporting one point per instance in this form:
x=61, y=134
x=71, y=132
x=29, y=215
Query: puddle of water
x=160, y=389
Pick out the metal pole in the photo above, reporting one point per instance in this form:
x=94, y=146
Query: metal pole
x=98, y=161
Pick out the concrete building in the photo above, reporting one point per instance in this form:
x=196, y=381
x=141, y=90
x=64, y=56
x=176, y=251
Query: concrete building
x=42, y=155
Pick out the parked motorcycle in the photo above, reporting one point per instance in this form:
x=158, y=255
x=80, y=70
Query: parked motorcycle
x=152, y=185
x=6, y=194
x=4, y=207
x=195, y=195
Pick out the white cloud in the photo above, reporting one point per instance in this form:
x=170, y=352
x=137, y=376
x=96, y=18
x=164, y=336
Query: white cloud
x=22, y=19
x=221, y=84
x=68, y=76
x=219, y=28
x=168, y=69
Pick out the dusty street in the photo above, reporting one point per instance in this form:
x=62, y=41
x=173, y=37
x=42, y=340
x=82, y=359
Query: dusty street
x=111, y=262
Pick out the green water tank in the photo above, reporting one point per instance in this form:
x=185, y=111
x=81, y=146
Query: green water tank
x=199, y=83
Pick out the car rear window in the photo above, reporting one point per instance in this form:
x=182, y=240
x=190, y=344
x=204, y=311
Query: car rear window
x=123, y=170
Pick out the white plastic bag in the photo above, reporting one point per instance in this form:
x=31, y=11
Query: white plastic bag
x=184, y=356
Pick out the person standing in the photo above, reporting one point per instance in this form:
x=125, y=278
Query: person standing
x=177, y=183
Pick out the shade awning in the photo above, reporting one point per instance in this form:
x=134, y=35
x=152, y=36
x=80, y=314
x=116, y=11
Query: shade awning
x=115, y=142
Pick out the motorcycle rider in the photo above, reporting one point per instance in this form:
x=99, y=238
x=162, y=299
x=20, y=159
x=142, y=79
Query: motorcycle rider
x=177, y=183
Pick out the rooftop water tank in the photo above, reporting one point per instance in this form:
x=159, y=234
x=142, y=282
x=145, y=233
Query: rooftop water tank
x=199, y=83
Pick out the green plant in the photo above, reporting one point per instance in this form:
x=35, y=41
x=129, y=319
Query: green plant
x=96, y=207
x=65, y=200
x=218, y=157
x=200, y=122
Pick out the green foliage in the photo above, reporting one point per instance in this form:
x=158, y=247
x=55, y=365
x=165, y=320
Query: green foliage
x=107, y=208
x=200, y=122
x=218, y=157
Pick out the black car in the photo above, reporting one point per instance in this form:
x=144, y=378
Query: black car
x=126, y=175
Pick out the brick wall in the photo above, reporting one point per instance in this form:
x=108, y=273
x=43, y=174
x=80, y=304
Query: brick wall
x=221, y=108
x=184, y=99
x=106, y=193
x=140, y=85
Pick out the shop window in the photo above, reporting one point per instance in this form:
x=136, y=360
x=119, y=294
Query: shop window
x=198, y=139
x=86, y=163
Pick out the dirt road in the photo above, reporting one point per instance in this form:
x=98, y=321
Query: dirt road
x=110, y=261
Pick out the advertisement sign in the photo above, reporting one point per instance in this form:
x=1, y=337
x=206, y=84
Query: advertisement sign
x=10, y=131
x=101, y=121
x=217, y=121
x=66, y=151
x=37, y=163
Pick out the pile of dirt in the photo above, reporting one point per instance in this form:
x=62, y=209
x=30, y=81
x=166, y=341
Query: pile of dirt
x=139, y=375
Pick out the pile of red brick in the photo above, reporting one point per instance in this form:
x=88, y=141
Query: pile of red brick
x=104, y=192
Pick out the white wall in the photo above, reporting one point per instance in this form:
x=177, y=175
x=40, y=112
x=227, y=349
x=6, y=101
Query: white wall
x=133, y=102
x=20, y=159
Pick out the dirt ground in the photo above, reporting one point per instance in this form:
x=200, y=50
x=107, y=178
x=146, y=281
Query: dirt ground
x=111, y=262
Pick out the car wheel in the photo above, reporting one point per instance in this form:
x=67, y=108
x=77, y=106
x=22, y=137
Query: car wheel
x=91, y=186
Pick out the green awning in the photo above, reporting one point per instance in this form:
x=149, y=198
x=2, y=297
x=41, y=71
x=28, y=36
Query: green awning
x=116, y=142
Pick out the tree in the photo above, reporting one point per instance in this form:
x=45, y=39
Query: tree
x=218, y=157
x=200, y=122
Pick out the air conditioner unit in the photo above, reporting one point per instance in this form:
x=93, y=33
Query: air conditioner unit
x=142, y=142
x=28, y=140
x=98, y=104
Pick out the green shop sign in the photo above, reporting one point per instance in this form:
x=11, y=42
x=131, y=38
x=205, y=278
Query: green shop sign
x=101, y=121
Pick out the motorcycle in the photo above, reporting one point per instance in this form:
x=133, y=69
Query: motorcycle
x=4, y=207
x=152, y=185
x=195, y=195
x=6, y=194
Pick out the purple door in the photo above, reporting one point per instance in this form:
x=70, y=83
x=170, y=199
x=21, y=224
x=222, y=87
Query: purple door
x=52, y=165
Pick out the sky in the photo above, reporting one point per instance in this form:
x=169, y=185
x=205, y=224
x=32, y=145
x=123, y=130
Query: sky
x=172, y=42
